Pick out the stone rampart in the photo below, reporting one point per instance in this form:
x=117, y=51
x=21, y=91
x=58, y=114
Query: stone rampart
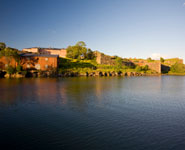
x=104, y=59
x=110, y=60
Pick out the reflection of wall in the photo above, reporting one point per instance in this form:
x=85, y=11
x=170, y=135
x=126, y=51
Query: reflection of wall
x=46, y=90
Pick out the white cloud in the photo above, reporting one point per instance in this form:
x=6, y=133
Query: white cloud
x=156, y=56
x=184, y=4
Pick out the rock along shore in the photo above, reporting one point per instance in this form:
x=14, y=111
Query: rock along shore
x=77, y=74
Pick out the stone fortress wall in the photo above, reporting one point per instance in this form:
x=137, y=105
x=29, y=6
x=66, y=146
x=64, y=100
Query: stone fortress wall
x=153, y=65
x=104, y=59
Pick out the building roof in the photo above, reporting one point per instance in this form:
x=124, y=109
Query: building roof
x=37, y=55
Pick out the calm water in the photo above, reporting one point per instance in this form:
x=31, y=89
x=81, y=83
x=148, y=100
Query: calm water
x=93, y=113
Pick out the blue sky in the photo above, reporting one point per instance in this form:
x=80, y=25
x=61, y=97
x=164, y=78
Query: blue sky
x=128, y=28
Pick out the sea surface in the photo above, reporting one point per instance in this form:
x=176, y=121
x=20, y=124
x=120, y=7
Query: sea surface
x=134, y=113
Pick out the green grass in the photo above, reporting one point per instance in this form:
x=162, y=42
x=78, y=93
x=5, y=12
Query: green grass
x=178, y=74
x=82, y=66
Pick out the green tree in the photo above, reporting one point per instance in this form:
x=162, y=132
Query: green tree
x=2, y=46
x=162, y=60
x=177, y=68
x=77, y=51
x=10, y=70
x=118, y=63
x=81, y=43
x=149, y=59
x=90, y=54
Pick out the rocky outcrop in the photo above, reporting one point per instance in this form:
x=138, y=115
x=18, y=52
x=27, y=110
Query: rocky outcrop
x=75, y=74
x=101, y=74
x=17, y=75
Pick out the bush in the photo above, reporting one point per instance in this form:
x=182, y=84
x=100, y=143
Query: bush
x=138, y=69
x=145, y=68
x=150, y=59
x=162, y=60
x=10, y=70
x=24, y=72
x=118, y=63
x=18, y=68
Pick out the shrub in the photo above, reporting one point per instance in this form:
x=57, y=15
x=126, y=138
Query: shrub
x=138, y=69
x=118, y=63
x=24, y=72
x=162, y=60
x=150, y=59
x=18, y=68
x=145, y=68
x=10, y=70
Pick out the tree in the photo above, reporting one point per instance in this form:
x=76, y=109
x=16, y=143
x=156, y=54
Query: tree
x=81, y=43
x=162, y=60
x=2, y=46
x=118, y=63
x=10, y=70
x=177, y=68
x=149, y=59
x=77, y=51
x=90, y=54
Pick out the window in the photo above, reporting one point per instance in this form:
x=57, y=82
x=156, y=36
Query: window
x=37, y=66
x=46, y=59
x=46, y=66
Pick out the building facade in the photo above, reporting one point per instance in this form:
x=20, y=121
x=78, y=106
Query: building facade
x=42, y=62
x=50, y=51
x=30, y=61
x=5, y=62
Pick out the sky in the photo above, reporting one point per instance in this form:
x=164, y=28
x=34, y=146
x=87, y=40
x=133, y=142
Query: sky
x=127, y=28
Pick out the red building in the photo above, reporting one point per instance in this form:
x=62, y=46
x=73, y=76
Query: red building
x=30, y=61
x=39, y=61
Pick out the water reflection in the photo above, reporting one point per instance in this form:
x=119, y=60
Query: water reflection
x=93, y=113
x=82, y=91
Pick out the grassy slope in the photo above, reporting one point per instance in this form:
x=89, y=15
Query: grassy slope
x=83, y=66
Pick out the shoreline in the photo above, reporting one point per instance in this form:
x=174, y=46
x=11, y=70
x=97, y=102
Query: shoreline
x=92, y=74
